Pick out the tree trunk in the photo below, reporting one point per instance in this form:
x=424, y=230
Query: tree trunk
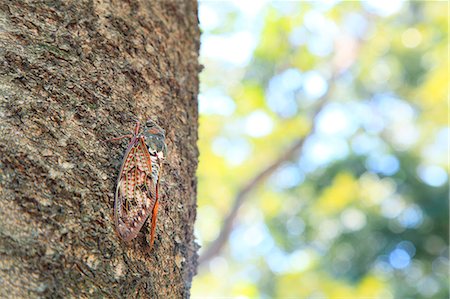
x=74, y=73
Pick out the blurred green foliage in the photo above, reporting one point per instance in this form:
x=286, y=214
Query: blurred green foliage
x=362, y=211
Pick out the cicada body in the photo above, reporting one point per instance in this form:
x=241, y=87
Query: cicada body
x=136, y=196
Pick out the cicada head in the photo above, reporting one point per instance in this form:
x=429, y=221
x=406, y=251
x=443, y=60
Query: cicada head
x=155, y=138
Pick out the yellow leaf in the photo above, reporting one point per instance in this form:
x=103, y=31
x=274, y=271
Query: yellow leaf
x=336, y=197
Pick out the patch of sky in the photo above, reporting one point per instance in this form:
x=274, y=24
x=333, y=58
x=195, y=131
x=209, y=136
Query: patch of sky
x=237, y=45
x=411, y=217
x=258, y=124
x=383, y=8
x=437, y=151
x=287, y=176
x=432, y=175
x=399, y=258
x=368, y=117
x=214, y=101
x=408, y=246
x=324, y=5
x=323, y=31
x=400, y=117
x=208, y=223
x=282, y=262
x=319, y=151
x=291, y=88
x=234, y=150
x=285, y=7
x=300, y=260
x=320, y=45
x=248, y=240
x=210, y=18
x=364, y=144
x=336, y=120
x=281, y=94
x=234, y=48
x=388, y=104
x=298, y=36
x=383, y=164
x=251, y=273
x=314, y=85
x=355, y=24
x=250, y=9
x=277, y=260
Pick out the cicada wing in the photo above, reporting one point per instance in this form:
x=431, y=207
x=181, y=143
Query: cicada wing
x=135, y=192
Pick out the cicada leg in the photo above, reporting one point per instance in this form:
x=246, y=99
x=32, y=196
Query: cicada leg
x=136, y=131
x=155, y=209
x=154, y=215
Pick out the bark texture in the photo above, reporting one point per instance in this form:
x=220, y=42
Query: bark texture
x=74, y=73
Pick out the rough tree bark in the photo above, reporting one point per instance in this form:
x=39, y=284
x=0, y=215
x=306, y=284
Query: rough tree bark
x=74, y=73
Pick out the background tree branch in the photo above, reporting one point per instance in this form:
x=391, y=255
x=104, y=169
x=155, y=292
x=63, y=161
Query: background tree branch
x=344, y=57
x=217, y=245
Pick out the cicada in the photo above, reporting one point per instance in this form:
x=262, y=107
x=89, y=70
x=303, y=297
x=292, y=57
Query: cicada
x=137, y=188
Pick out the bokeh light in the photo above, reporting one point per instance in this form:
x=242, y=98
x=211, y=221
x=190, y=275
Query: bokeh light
x=360, y=208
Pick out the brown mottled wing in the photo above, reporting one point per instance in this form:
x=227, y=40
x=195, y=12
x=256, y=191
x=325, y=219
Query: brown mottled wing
x=135, y=192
